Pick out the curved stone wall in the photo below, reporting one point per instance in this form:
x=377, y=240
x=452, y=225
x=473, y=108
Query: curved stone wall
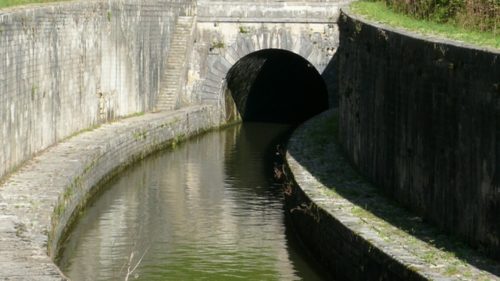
x=73, y=65
x=40, y=201
x=419, y=117
x=354, y=230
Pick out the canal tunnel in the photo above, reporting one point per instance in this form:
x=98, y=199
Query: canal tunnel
x=275, y=85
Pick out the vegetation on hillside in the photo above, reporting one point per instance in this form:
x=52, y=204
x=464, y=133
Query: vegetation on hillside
x=455, y=21
x=8, y=3
x=482, y=15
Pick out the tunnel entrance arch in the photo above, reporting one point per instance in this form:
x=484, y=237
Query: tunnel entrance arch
x=274, y=85
x=222, y=44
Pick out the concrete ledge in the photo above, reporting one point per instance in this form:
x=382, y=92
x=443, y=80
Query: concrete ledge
x=38, y=202
x=355, y=231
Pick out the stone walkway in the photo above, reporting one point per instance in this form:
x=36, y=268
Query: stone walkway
x=392, y=235
x=39, y=200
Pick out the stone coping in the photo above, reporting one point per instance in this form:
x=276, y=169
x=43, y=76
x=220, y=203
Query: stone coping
x=328, y=180
x=40, y=200
x=270, y=12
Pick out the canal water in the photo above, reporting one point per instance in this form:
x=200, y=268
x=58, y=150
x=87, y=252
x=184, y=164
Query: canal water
x=204, y=210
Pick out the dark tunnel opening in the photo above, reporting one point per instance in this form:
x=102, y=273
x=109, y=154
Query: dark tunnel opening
x=276, y=86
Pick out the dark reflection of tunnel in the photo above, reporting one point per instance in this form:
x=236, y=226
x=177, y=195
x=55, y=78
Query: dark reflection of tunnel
x=276, y=86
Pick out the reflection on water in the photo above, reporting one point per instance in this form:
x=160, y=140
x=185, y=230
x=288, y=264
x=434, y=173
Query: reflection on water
x=205, y=210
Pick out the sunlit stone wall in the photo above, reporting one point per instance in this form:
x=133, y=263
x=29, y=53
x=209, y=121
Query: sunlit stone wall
x=70, y=66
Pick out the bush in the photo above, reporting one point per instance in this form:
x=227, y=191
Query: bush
x=481, y=15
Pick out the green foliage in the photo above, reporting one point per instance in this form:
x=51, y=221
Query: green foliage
x=244, y=30
x=33, y=91
x=379, y=11
x=217, y=45
x=482, y=15
x=8, y=3
x=439, y=10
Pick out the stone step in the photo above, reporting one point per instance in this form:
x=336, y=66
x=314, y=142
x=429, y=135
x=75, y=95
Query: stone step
x=170, y=90
x=176, y=56
x=174, y=68
x=167, y=95
x=177, y=51
x=165, y=105
x=171, y=75
x=167, y=98
x=171, y=79
x=175, y=63
x=176, y=59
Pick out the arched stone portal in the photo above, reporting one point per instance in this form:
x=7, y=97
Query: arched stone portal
x=221, y=45
x=274, y=85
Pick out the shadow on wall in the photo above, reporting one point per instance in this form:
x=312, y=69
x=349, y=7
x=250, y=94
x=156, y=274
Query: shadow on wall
x=276, y=86
x=419, y=118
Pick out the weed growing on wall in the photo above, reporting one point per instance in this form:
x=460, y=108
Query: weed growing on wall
x=244, y=30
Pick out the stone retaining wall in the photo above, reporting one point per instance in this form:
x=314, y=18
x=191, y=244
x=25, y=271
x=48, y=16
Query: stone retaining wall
x=73, y=65
x=39, y=202
x=356, y=232
x=419, y=117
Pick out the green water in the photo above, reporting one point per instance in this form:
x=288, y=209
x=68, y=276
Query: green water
x=206, y=210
